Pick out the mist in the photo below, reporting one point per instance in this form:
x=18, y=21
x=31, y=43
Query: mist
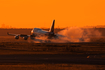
x=77, y=34
x=71, y=34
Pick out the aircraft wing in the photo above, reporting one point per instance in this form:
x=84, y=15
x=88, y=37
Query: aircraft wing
x=17, y=34
x=12, y=34
x=25, y=37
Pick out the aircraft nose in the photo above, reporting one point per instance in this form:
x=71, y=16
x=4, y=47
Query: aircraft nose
x=31, y=31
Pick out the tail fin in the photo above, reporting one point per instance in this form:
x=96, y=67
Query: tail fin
x=52, y=27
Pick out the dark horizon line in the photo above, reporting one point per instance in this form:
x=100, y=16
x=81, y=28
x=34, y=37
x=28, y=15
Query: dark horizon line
x=49, y=28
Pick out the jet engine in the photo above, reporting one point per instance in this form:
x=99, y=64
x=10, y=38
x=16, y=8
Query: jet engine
x=16, y=37
x=25, y=38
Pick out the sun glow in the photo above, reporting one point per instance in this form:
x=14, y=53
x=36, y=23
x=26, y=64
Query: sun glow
x=40, y=13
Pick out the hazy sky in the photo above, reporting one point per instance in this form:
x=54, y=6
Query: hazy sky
x=40, y=13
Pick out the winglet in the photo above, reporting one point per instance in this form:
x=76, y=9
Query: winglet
x=52, y=27
x=7, y=33
x=10, y=34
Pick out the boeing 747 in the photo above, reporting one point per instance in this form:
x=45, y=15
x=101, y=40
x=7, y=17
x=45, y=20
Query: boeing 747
x=37, y=32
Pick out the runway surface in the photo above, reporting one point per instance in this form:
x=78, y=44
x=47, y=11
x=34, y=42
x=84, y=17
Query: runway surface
x=52, y=59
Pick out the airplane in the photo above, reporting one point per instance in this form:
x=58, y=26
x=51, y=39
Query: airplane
x=37, y=32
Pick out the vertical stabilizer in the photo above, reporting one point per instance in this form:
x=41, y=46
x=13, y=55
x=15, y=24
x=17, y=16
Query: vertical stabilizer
x=52, y=27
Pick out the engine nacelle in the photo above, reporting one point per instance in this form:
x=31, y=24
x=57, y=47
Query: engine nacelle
x=25, y=38
x=16, y=37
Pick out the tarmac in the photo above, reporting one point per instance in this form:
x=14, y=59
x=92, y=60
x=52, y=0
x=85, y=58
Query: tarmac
x=94, y=59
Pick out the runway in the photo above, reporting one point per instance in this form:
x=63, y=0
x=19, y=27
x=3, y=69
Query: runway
x=52, y=59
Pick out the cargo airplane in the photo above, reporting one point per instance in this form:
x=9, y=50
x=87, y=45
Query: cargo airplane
x=37, y=32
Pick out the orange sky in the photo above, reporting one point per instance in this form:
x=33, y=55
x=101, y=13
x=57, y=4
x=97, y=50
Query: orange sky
x=40, y=13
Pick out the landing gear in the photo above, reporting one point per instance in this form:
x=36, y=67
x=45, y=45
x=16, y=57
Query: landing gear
x=52, y=36
x=32, y=36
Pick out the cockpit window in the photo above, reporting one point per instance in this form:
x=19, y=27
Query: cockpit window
x=37, y=29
